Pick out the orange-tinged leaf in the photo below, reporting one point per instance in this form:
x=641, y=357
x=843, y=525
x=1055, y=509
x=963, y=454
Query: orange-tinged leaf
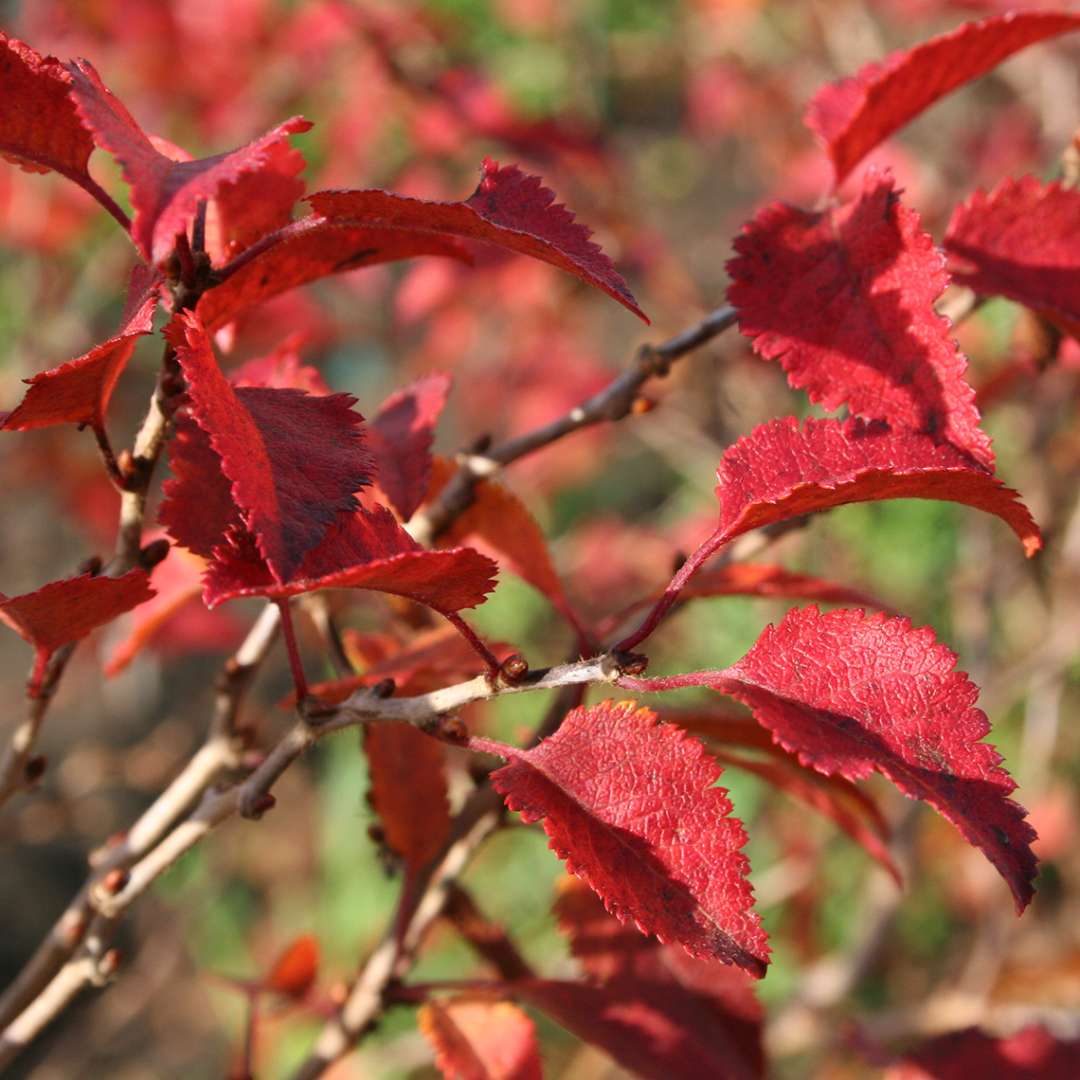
x=295, y=970
x=480, y=1039
x=408, y=790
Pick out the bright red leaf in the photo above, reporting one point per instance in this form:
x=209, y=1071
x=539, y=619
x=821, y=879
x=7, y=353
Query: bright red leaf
x=1033, y=1052
x=294, y=460
x=307, y=250
x=175, y=620
x=408, y=790
x=254, y=204
x=509, y=209
x=780, y=471
x=853, y=694
x=1021, y=241
x=64, y=611
x=400, y=437
x=632, y=1021
x=631, y=807
x=481, y=1039
x=295, y=969
x=714, y=1004
x=281, y=369
x=79, y=391
x=39, y=127
x=853, y=115
x=844, y=299
x=165, y=194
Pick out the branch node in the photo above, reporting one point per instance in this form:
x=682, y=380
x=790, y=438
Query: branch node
x=34, y=769
x=629, y=663
x=514, y=669
x=254, y=808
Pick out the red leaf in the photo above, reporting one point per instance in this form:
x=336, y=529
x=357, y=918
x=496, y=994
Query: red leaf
x=779, y=472
x=39, y=127
x=630, y=805
x=281, y=369
x=477, y=1039
x=79, y=391
x=295, y=969
x=498, y=523
x=408, y=791
x=64, y=611
x=363, y=550
x=309, y=249
x=833, y=797
x=1020, y=241
x=175, y=620
x=509, y=209
x=400, y=437
x=962, y=1055
x=631, y=1020
x=294, y=460
x=254, y=204
x=844, y=300
x=853, y=694
x=853, y=115
x=165, y=194
x=713, y=1004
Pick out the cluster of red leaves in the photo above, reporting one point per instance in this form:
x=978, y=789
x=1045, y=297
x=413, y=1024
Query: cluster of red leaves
x=268, y=467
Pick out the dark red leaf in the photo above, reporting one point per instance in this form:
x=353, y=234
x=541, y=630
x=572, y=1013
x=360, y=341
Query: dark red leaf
x=499, y=524
x=853, y=115
x=363, y=550
x=481, y=1039
x=310, y=249
x=780, y=471
x=853, y=694
x=165, y=194
x=294, y=459
x=632, y=807
x=509, y=209
x=39, y=127
x=844, y=299
x=1033, y=1053
x=408, y=790
x=79, y=391
x=295, y=969
x=833, y=797
x=1021, y=241
x=64, y=611
x=400, y=436
x=713, y=1004
x=632, y=1021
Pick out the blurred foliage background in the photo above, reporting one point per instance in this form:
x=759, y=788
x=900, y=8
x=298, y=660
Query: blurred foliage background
x=664, y=124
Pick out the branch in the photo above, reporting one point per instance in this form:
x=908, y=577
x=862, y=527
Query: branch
x=612, y=403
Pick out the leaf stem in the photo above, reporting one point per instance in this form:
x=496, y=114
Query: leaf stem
x=295, y=663
x=470, y=635
x=671, y=593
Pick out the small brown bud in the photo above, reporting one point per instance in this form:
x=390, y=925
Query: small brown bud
x=642, y=405
x=91, y=566
x=110, y=963
x=153, y=553
x=115, y=880
x=34, y=768
x=514, y=668
x=384, y=688
x=453, y=729
x=259, y=806
x=631, y=663
x=377, y=834
x=72, y=929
